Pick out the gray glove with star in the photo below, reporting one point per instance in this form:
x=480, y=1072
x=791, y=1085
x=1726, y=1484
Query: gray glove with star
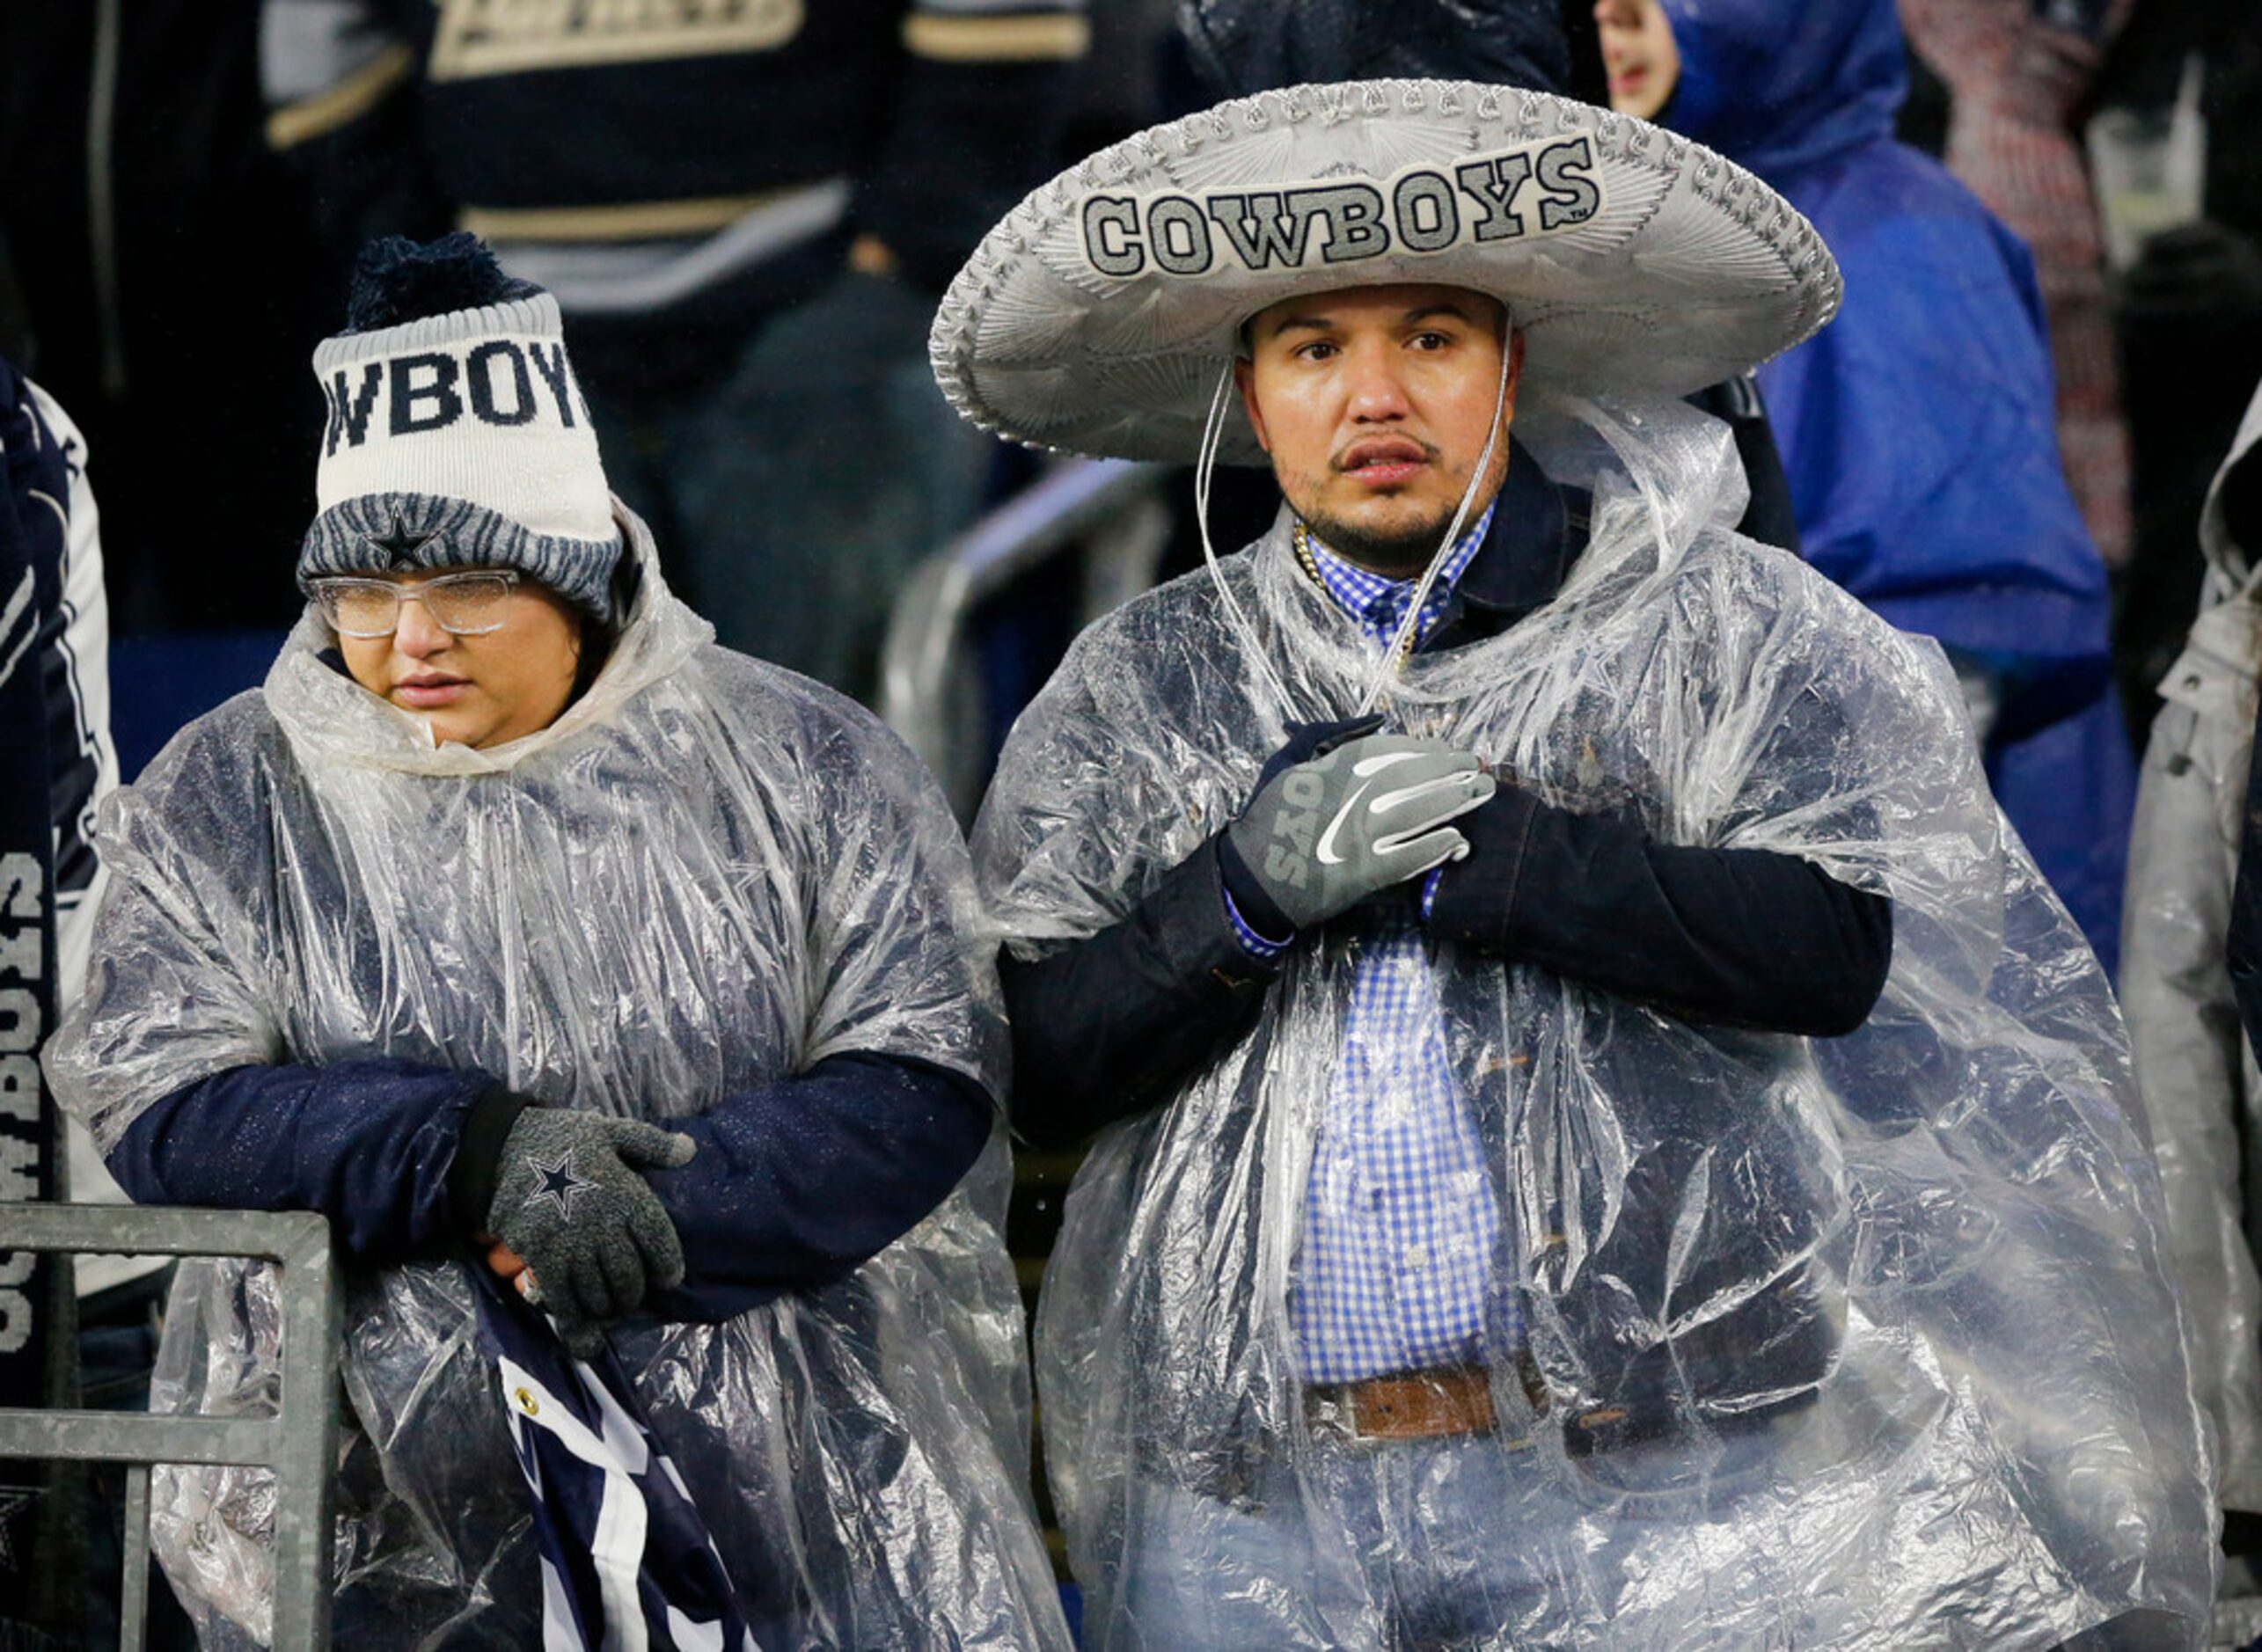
x=571, y=1201
x=1361, y=815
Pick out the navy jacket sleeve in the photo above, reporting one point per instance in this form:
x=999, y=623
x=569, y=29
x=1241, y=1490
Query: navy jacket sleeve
x=798, y=1183
x=1103, y=1027
x=1738, y=937
x=368, y=1143
x=342, y=81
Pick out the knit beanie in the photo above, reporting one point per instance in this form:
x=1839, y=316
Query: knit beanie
x=457, y=435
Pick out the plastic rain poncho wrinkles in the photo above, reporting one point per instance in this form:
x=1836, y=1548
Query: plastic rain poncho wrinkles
x=1928, y=1249
x=707, y=873
x=2201, y=1086
x=1919, y=428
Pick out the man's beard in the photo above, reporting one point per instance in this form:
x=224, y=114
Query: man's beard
x=1401, y=553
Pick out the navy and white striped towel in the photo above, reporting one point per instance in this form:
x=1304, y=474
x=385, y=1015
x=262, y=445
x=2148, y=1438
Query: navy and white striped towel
x=628, y=1564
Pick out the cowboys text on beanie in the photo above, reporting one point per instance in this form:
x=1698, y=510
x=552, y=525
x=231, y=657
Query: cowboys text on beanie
x=457, y=435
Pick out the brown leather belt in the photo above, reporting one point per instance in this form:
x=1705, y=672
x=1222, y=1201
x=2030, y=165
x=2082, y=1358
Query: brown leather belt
x=1430, y=1405
x=1415, y=1406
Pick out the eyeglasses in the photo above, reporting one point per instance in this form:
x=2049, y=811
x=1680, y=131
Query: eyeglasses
x=461, y=604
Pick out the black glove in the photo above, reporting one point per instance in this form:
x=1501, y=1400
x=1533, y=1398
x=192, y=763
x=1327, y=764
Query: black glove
x=571, y=1203
x=1308, y=740
x=1477, y=894
x=1305, y=741
x=1367, y=811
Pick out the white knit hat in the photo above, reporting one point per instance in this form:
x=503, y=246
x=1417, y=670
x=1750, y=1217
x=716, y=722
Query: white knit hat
x=1097, y=317
x=459, y=439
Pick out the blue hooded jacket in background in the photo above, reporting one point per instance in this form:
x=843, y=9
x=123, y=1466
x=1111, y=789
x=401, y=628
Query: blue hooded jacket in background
x=1918, y=428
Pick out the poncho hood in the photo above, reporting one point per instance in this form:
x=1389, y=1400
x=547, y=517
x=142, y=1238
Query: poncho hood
x=1778, y=84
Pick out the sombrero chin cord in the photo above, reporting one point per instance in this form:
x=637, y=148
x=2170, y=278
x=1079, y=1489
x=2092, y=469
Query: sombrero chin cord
x=1399, y=647
x=1213, y=430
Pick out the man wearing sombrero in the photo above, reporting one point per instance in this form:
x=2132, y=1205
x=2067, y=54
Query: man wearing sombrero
x=1604, y=1140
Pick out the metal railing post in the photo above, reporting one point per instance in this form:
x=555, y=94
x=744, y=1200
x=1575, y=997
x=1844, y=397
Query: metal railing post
x=313, y=1316
x=1110, y=509
x=298, y=1443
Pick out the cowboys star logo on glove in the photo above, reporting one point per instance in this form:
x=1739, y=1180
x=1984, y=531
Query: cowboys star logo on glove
x=572, y=1202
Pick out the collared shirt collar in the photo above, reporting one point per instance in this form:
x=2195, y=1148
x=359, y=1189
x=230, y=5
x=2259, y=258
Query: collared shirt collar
x=1377, y=604
x=1511, y=562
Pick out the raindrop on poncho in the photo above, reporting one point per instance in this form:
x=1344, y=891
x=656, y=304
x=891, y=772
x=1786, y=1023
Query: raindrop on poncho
x=1919, y=1265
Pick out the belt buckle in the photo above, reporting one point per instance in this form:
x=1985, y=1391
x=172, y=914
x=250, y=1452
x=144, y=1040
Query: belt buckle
x=1329, y=1414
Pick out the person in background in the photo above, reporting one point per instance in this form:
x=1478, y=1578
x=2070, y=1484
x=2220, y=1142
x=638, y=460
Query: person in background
x=1919, y=431
x=747, y=212
x=67, y=764
x=52, y=763
x=1244, y=46
x=140, y=189
x=61, y=525
x=2018, y=74
x=2187, y=311
x=525, y=934
x=1602, y=1139
x=2191, y=988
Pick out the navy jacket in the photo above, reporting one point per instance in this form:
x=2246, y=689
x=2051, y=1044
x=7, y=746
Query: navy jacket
x=794, y=1184
x=1103, y=1029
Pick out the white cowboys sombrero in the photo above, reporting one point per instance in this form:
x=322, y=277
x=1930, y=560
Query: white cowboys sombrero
x=1095, y=318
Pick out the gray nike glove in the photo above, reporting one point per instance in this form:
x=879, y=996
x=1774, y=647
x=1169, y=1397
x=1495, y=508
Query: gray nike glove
x=1322, y=835
x=571, y=1201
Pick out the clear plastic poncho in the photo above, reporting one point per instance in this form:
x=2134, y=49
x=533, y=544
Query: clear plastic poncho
x=707, y=874
x=1897, y=1297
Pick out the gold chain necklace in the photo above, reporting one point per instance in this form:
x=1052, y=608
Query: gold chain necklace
x=1301, y=540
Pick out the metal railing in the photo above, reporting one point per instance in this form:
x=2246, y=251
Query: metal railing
x=1110, y=510
x=298, y=1442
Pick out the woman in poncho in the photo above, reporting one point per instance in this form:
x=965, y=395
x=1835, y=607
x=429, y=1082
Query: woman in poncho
x=505, y=866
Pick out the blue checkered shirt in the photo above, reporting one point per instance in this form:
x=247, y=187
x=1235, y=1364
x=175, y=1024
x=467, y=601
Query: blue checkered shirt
x=1400, y=1219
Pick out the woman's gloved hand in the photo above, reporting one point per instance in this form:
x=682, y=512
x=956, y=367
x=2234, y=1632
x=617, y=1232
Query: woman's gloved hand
x=571, y=1201
x=1324, y=833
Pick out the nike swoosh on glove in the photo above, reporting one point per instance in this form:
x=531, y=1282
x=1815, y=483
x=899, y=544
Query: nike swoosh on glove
x=1322, y=835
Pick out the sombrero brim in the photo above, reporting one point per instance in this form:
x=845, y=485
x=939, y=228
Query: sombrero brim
x=1095, y=318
